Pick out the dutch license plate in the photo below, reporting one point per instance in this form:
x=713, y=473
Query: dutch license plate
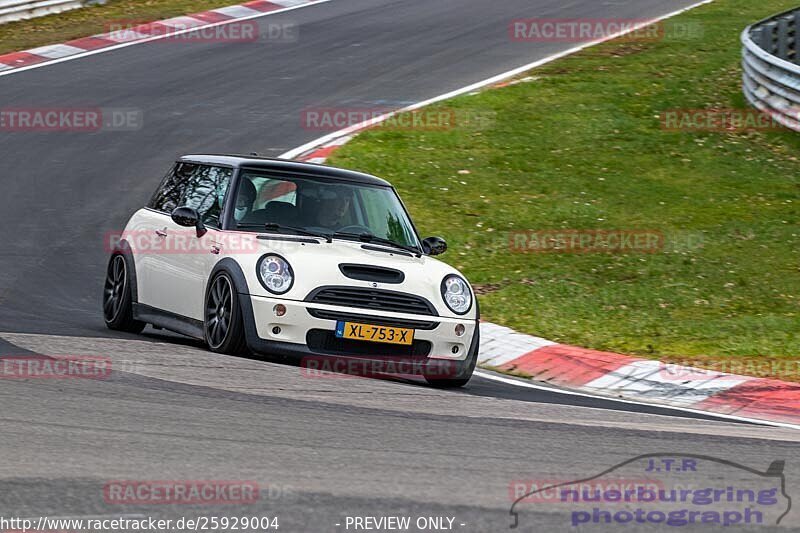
x=367, y=332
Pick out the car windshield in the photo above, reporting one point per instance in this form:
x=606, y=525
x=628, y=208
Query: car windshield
x=321, y=206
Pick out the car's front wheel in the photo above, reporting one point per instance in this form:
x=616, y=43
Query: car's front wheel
x=223, y=324
x=117, y=300
x=450, y=374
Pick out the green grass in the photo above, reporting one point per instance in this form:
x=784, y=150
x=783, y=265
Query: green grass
x=91, y=20
x=581, y=146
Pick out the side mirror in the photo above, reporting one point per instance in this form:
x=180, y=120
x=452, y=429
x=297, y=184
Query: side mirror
x=434, y=246
x=189, y=218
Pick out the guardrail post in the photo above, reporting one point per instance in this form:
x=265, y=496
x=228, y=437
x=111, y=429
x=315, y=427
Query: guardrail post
x=757, y=35
x=782, y=41
x=769, y=37
x=795, y=26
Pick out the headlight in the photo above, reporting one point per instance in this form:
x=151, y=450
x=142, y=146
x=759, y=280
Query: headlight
x=456, y=294
x=275, y=273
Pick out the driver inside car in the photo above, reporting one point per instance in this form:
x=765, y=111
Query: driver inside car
x=244, y=200
x=332, y=209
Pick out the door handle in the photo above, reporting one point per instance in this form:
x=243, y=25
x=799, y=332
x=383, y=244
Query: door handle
x=161, y=232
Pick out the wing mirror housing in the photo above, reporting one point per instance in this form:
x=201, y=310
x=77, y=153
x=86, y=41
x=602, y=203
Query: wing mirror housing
x=434, y=246
x=189, y=218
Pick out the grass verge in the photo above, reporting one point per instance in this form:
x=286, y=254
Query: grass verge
x=579, y=145
x=94, y=19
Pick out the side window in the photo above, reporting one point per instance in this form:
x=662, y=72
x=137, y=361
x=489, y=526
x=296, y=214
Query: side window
x=169, y=193
x=199, y=186
x=206, y=190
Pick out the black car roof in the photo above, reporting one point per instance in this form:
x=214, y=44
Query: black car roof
x=285, y=165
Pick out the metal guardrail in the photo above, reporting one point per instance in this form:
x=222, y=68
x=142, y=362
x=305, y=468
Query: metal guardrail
x=771, y=63
x=11, y=10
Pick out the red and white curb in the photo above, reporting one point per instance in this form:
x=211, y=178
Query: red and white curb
x=321, y=153
x=644, y=380
x=145, y=32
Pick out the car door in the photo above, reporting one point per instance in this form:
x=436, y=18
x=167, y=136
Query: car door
x=189, y=258
x=147, y=237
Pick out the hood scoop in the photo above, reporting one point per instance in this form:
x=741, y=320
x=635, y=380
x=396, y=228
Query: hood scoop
x=372, y=273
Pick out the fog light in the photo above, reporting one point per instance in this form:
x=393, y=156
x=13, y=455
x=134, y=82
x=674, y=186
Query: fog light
x=455, y=349
x=460, y=329
x=276, y=330
x=279, y=310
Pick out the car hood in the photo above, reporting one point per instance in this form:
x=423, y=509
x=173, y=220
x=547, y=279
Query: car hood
x=316, y=263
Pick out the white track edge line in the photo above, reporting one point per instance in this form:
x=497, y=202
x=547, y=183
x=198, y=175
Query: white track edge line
x=529, y=385
x=480, y=84
x=154, y=37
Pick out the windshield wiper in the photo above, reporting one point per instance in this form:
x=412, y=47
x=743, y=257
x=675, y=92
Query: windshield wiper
x=274, y=226
x=369, y=237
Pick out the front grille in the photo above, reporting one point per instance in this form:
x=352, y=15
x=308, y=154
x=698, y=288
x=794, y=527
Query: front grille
x=369, y=319
x=378, y=299
x=326, y=342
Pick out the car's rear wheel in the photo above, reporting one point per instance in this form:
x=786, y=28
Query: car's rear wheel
x=223, y=324
x=117, y=300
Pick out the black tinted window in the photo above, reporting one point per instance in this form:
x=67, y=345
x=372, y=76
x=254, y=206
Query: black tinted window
x=168, y=195
x=202, y=187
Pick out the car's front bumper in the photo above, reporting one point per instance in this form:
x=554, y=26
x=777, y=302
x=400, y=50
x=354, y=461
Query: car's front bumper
x=435, y=336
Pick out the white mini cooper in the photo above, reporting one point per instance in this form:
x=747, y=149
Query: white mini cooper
x=292, y=259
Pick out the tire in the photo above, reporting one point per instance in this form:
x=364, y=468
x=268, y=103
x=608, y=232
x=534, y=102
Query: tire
x=223, y=326
x=464, y=373
x=117, y=301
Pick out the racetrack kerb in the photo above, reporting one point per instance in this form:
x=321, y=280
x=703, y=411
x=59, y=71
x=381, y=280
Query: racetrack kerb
x=94, y=19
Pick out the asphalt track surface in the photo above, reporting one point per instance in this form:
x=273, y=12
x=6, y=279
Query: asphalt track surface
x=321, y=448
